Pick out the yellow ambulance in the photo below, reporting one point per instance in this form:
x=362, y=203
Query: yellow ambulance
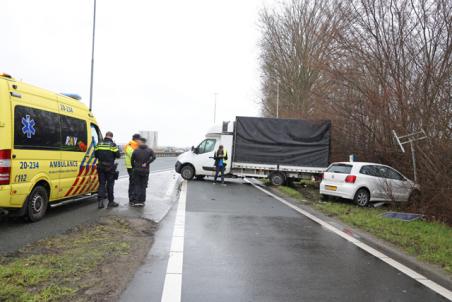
x=46, y=149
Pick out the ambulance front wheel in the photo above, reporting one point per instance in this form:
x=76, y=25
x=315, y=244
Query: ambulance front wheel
x=37, y=204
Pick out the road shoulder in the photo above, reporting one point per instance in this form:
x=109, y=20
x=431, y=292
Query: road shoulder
x=430, y=271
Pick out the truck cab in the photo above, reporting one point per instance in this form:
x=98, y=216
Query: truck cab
x=199, y=161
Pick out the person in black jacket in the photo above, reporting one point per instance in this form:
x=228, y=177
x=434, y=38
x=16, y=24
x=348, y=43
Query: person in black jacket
x=142, y=157
x=220, y=156
x=106, y=152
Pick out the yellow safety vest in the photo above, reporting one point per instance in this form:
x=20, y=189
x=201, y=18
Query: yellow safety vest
x=128, y=150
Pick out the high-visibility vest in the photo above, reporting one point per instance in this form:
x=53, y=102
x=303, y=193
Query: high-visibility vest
x=128, y=150
x=225, y=155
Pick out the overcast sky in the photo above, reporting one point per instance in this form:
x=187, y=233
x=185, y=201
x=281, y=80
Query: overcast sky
x=157, y=63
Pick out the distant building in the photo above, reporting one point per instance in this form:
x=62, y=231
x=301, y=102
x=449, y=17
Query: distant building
x=151, y=138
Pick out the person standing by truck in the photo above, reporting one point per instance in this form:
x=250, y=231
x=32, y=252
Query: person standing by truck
x=142, y=157
x=128, y=150
x=106, y=152
x=220, y=157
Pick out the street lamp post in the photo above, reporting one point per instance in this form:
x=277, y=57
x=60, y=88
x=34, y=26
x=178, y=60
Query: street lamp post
x=277, y=99
x=92, y=60
x=215, y=107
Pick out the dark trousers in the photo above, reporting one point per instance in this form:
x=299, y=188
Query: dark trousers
x=140, y=184
x=219, y=169
x=106, y=185
x=131, y=185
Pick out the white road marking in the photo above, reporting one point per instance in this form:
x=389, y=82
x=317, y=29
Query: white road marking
x=172, y=289
x=395, y=264
x=173, y=184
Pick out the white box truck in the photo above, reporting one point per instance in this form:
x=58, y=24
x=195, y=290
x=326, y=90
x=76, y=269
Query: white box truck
x=277, y=149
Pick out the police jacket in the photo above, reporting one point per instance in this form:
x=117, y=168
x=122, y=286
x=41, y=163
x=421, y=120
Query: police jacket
x=142, y=157
x=106, y=152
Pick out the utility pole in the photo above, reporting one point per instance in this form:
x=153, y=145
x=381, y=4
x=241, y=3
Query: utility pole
x=277, y=99
x=92, y=60
x=215, y=107
x=410, y=139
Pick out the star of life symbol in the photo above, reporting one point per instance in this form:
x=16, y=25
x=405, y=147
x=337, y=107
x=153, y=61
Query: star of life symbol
x=28, y=126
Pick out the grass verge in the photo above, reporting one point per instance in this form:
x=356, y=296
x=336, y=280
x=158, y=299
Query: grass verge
x=89, y=263
x=428, y=241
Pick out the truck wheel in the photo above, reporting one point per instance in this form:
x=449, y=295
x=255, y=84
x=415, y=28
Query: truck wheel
x=362, y=197
x=277, y=178
x=37, y=204
x=187, y=172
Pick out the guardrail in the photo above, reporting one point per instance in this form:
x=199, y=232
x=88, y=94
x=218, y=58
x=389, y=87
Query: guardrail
x=167, y=154
x=162, y=154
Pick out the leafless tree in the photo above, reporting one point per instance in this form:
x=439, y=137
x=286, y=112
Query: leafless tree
x=370, y=66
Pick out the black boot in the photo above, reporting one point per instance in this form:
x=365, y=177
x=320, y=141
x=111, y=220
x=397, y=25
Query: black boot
x=112, y=204
x=100, y=203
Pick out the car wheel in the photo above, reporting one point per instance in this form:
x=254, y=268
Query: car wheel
x=187, y=172
x=37, y=203
x=277, y=178
x=200, y=177
x=362, y=198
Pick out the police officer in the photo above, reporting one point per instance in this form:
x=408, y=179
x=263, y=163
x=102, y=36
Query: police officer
x=106, y=152
x=128, y=150
x=142, y=157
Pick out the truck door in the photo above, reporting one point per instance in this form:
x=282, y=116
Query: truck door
x=203, y=157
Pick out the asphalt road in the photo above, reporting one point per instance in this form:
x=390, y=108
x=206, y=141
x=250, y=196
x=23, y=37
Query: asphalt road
x=14, y=233
x=243, y=245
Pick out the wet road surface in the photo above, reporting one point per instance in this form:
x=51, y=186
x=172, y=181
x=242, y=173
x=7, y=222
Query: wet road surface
x=243, y=245
x=14, y=233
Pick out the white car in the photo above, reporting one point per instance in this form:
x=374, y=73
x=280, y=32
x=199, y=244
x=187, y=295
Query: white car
x=367, y=182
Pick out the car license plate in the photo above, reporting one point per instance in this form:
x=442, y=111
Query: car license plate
x=331, y=188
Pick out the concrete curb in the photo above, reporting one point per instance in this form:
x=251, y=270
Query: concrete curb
x=432, y=272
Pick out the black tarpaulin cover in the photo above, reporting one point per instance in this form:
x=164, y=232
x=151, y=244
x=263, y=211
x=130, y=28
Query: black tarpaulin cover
x=282, y=141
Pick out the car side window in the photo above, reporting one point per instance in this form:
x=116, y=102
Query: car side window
x=392, y=174
x=370, y=170
x=206, y=145
x=366, y=170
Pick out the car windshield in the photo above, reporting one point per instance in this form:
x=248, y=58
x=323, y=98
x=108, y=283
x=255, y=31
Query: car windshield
x=340, y=168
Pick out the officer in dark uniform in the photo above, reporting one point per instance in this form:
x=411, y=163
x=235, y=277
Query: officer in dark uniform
x=142, y=157
x=106, y=152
